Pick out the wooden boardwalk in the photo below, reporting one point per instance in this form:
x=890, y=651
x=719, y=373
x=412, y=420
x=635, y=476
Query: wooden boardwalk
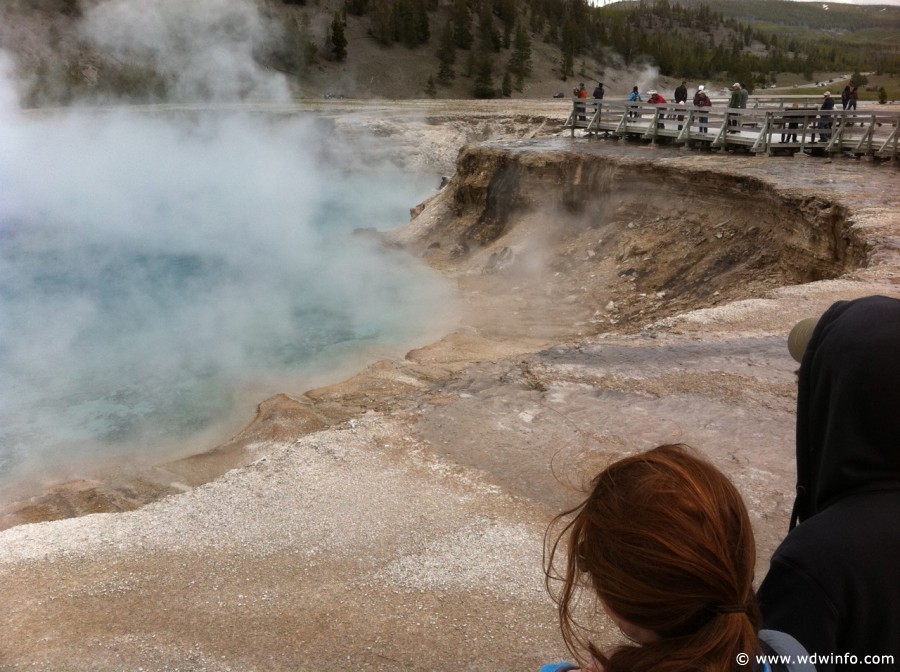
x=768, y=127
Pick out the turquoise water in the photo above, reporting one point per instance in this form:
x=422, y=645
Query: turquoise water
x=151, y=271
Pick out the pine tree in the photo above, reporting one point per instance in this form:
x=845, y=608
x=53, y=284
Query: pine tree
x=566, y=62
x=507, y=11
x=446, y=56
x=488, y=37
x=409, y=21
x=520, y=59
x=462, y=24
x=381, y=17
x=423, y=29
x=338, y=38
x=484, y=82
x=355, y=7
x=506, y=87
x=470, y=65
x=430, y=88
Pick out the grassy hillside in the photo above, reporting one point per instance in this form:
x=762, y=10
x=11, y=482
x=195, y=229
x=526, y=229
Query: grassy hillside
x=868, y=32
x=806, y=16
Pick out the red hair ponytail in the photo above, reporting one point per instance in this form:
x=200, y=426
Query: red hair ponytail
x=665, y=542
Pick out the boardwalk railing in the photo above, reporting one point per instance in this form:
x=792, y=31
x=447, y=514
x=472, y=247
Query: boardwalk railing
x=758, y=129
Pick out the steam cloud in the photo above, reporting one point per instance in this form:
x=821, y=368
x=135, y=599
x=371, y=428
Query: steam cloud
x=152, y=264
x=205, y=48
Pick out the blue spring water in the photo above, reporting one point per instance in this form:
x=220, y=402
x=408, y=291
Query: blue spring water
x=149, y=271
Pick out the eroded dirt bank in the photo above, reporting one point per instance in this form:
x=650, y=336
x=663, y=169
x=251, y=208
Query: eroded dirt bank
x=577, y=226
x=617, y=297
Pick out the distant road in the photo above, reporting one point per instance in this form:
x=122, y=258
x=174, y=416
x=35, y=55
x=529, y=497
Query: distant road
x=824, y=84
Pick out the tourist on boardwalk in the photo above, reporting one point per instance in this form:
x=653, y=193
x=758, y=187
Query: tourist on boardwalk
x=791, y=125
x=681, y=93
x=656, y=99
x=697, y=94
x=634, y=97
x=734, y=103
x=824, y=124
x=851, y=104
x=703, y=101
x=599, y=91
x=845, y=97
x=832, y=583
x=581, y=94
x=664, y=545
x=745, y=96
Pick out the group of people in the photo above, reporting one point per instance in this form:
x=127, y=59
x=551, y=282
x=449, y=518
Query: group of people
x=701, y=99
x=581, y=92
x=824, y=124
x=663, y=542
x=849, y=97
x=737, y=101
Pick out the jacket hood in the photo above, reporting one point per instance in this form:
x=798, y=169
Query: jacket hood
x=848, y=405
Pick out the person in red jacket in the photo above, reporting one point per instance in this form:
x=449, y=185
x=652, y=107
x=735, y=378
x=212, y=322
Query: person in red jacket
x=581, y=93
x=656, y=99
x=703, y=101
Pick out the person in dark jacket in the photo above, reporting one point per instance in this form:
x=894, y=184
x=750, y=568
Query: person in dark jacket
x=791, y=125
x=599, y=91
x=825, y=122
x=681, y=93
x=745, y=96
x=833, y=582
x=845, y=97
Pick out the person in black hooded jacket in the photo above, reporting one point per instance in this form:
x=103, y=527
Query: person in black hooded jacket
x=834, y=582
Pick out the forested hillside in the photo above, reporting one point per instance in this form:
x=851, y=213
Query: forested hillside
x=833, y=36
x=442, y=48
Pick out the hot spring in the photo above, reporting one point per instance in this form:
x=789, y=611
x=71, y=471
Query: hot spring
x=155, y=267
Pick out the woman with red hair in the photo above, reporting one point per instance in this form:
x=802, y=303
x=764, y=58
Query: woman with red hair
x=664, y=544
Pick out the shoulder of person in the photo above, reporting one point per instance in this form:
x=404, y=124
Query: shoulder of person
x=785, y=645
